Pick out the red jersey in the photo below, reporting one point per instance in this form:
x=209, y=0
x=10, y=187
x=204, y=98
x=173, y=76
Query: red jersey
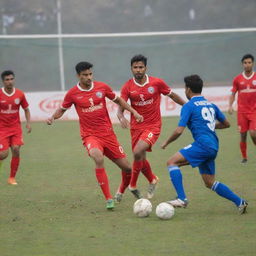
x=91, y=108
x=145, y=99
x=9, y=108
x=246, y=88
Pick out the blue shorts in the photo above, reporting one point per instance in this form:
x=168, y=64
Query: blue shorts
x=199, y=157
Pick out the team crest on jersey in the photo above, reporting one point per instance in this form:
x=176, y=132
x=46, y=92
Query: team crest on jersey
x=151, y=89
x=254, y=82
x=99, y=94
x=1, y=146
x=17, y=101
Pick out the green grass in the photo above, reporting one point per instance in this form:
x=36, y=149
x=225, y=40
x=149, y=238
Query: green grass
x=58, y=209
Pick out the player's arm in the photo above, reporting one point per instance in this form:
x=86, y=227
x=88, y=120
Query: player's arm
x=230, y=103
x=56, y=115
x=222, y=125
x=123, y=121
x=125, y=106
x=28, y=118
x=222, y=122
x=176, y=98
x=175, y=135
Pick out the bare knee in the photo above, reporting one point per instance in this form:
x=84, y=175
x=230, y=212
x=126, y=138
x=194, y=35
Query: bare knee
x=127, y=168
x=171, y=162
x=4, y=154
x=208, y=184
x=208, y=180
x=98, y=157
x=16, y=151
x=138, y=155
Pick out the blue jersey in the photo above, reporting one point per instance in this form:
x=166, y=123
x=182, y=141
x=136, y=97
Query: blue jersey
x=200, y=115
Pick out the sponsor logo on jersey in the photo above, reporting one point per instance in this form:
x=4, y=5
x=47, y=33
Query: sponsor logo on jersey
x=92, y=108
x=99, y=94
x=254, y=82
x=143, y=103
x=17, y=101
x=151, y=89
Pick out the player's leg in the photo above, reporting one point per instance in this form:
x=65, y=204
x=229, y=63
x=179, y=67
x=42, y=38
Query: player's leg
x=15, y=162
x=252, y=128
x=173, y=167
x=126, y=170
x=16, y=141
x=4, y=148
x=243, y=125
x=150, y=137
x=3, y=155
x=97, y=155
x=138, y=154
x=243, y=146
x=207, y=171
x=253, y=136
x=114, y=151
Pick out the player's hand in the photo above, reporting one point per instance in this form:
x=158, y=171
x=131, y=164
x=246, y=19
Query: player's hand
x=230, y=110
x=29, y=128
x=124, y=122
x=164, y=145
x=139, y=118
x=49, y=121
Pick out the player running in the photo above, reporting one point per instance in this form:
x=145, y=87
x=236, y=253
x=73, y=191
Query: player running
x=245, y=85
x=144, y=93
x=89, y=99
x=11, y=99
x=199, y=115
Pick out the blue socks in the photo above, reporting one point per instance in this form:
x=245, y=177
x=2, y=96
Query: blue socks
x=221, y=189
x=224, y=191
x=176, y=179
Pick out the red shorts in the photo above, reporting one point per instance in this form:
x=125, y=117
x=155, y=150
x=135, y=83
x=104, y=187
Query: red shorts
x=246, y=121
x=150, y=136
x=108, y=145
x=10, y=138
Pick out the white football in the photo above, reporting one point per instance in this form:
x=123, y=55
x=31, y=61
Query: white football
x=164, y=211
x=142, y=207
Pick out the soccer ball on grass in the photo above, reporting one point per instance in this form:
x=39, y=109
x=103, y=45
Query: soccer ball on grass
x=142, y=207
x=164, y=211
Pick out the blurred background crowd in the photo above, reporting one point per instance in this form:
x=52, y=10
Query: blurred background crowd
x=107, y=16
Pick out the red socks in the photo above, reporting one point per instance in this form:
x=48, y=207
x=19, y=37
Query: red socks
x=147, y=171
x=243, y=149
x=102, y=179
x=14, y=166
x=126, y=178
x=137, y=166
x=145, y=168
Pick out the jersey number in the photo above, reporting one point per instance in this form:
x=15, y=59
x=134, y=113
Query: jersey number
x=142, y=97
x=208, y=114
x=91, y=102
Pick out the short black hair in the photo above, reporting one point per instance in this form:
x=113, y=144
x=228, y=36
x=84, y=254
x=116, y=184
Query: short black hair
x=82, y=66
x=7, y=73
x=138, y=58
x=194, y=82
x=247, y=56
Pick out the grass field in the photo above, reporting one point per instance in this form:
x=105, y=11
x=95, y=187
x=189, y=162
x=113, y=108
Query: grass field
x=57, y=209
